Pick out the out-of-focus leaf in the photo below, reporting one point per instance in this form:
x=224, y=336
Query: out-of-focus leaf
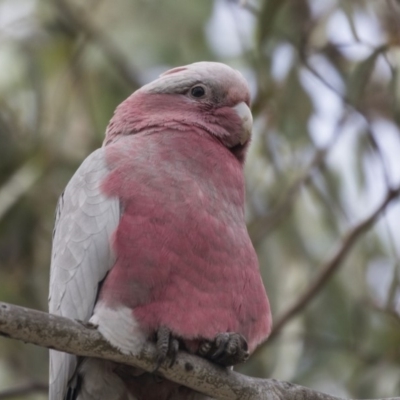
x=362, y=149
x=267, y=17
x=62, y=82
x=349, y=9
x=359, y=78
x=294, y=109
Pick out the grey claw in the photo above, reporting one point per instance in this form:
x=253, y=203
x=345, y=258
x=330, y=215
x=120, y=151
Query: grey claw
x=166, y=345
x=228, y=348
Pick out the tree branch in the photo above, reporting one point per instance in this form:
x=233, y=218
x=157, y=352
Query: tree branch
x=70, y=336
x=333, y=263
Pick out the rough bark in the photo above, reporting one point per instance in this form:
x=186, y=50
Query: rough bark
x=63, y=334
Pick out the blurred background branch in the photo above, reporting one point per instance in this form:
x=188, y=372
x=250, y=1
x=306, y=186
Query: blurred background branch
x=24, y=390
x=79, y=23
x=331, y=265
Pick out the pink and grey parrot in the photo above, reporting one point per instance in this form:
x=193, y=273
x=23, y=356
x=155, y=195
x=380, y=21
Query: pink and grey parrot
x=150, y=242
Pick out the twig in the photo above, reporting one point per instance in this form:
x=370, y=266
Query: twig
x=249, y=7
x=70, y=336
x=332, y=264
x=34, y=387
x=262, y=226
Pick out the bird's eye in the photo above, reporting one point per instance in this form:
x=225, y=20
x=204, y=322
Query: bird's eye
x=197, y=91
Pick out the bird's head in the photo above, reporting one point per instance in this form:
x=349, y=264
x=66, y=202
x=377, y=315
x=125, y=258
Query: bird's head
x=206, y=97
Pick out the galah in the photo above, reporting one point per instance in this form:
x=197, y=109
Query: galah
x=150, y=242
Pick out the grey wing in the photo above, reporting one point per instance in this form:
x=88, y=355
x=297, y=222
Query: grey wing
x=81, y=256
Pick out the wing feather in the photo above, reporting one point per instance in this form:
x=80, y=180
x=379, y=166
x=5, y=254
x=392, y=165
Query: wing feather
x=81, y=256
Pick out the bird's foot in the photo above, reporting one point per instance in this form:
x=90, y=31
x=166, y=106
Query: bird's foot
x=167, y=346
x=226, y=349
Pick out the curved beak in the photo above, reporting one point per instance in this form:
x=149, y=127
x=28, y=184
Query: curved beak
x=244, y=113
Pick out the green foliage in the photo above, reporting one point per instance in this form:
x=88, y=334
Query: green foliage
x=65, y=66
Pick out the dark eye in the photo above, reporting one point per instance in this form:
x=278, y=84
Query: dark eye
x=197, y=91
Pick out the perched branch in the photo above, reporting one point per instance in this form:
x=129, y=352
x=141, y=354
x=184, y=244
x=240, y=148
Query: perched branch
x=63, y=334
x=333, y=263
